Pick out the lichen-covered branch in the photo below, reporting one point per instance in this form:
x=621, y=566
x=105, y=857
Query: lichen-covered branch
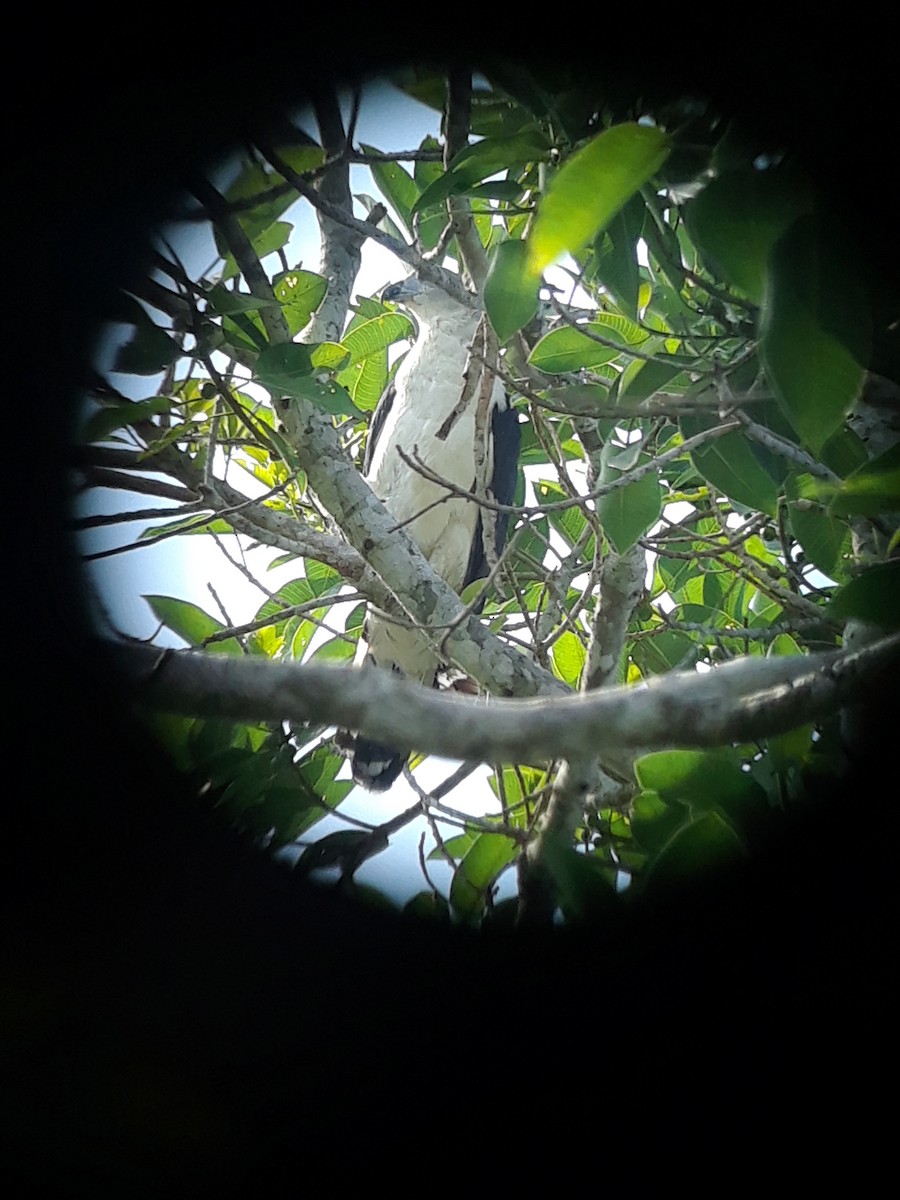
x=742, y=700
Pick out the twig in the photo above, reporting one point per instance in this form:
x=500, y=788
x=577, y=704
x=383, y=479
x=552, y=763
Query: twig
x=623, y=480
x=191, y=527
x=285, y=614
x=611, y=343
x=140, y=484
x=141, y=514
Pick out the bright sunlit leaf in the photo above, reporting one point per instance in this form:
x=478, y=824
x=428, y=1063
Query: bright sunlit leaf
x=591, y=187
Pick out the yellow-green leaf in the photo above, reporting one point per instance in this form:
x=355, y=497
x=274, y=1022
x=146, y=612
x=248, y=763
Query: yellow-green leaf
x=511, y=290
x=591, y=187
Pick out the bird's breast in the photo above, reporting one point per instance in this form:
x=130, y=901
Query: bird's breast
x=428, y=421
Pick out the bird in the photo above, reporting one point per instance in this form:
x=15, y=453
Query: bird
x=429, y=411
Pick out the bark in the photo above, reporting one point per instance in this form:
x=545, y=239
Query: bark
x=742, y=700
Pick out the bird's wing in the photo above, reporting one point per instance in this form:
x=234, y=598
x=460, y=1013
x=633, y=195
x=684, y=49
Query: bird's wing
x=376, y=425
x=507, y=437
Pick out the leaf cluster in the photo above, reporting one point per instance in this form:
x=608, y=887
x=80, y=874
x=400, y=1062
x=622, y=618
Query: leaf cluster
x=689, y=388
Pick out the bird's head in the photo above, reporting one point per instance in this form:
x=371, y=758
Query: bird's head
x=427, y=300
x=406, y=291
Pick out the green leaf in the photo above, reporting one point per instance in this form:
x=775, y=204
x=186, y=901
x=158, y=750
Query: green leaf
x=844, y=452
x=738, y=217
x=628, y=512
x=428, y=905
x=226, y=302
x=653, y=821
x=825, y=540
x=365, y=381
x=246, y=786
x=299, y=293
x=272, y=238
x=569, y=657
x=323, y=580
x=642, y=379
x=119, y=416
x=763, y=611
x=191, y=623
x=567, y=349
x=510, y=292
x=487, y=157
x=298, y=637
x=615, y=255
x=284, y=361
x=456, y=847
x=430, y=227
x=619, y=327
x=871, y=489
x=287, y=370
x=188, y=525
x=664, y=652
x=873, y=596
x=336, y=650
x=328, y=396
x=783, y=646
x=583, y=883
x=809, y=294
x=729, y=465
x=148, y=351
x=303, y=158
x=675, y=572
x=483, y=862
x=497, y=189
x=328, y=356
x=701, y=779
x=243, y=332
x=375, y=335
x=569, y=523
x=709, y=842
x=211, y=736
x=254, y=182
x=792, y=748
x=396, y=185
x=298, y=591
x=591, y=187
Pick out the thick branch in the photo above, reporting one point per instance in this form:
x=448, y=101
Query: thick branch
x=373, y=532
x=740, y=701
x=621, y=578
x=459, y=111
x=340, y=247
x=621, y=587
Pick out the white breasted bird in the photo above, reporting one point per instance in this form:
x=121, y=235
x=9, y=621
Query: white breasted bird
x=429, y=410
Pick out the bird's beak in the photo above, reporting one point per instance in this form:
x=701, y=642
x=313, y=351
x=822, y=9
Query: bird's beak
x=398, y=292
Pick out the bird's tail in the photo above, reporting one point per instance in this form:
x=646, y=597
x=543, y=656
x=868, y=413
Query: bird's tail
x=374, y=765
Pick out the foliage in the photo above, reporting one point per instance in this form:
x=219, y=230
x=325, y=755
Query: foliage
x=699, y=365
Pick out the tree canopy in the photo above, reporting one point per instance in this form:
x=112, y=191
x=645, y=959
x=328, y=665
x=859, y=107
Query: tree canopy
x=698, y=583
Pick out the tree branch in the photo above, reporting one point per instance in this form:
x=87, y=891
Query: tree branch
x=742, y=700
x=632, y=476
x=140, y=484
x=456, y=130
